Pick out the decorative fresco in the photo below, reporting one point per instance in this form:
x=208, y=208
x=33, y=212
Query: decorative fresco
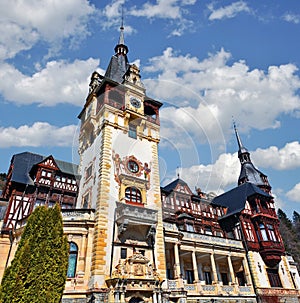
x=131, y=166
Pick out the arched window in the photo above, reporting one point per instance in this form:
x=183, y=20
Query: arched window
x=133, y=195
x=73, y=253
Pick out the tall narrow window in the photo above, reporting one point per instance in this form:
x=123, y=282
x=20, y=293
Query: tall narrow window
x=263, y=232
x=272, y=233
x=73, y=253
x=224, y=278
x=189, y=276
x=123, y=253
x=133, y=195
x=207, y=277
x=132, y=131
x=274, y=278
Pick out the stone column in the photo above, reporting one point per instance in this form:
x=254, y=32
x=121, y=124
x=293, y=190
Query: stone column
x=247, y=271
x=213, y=267
x=231, y=271
x=154, y=298
x=177, y=261
x=195, y=268
x=122, y=297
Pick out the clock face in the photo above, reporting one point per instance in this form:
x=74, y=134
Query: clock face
x=133, y=166
x=135, y=102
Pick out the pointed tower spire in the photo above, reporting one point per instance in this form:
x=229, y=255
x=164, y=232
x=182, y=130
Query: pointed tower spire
x=249, y=173
x=119, y=63
x=121, y=48
x=242, y=149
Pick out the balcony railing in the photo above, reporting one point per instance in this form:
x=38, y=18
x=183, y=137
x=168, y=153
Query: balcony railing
x=200, y=288
x=135, y=214
x=205, y=239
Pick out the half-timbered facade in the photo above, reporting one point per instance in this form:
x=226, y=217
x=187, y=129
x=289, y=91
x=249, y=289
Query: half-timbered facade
x=34, y=180
x=203, y=264
x=251, y=217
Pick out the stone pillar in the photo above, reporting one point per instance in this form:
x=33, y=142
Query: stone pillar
x=154, y=298
x=195, y=268
x=177, y=261
x=159, y=297
x=213, y=267
x=122, y=297
x=231, y=271
x=247, y=271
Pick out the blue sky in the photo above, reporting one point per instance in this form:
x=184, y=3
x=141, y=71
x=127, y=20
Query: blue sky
x=207, y=61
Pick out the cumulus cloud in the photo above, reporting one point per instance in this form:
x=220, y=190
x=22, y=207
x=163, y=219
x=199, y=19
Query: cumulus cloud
x=229, y=11
x=172, y=10
x=288, y=17
x=294, y=193
x=23, y=23
x=40, y=134
x=209, y=92
x=224, y=171
x=285, y=158
x=59, y=82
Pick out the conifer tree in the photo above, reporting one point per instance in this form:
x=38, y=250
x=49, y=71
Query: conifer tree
x=38, y=271
x=296, y=222
x=289, y=235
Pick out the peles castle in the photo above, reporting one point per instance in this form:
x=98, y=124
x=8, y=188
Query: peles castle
x=133, y=241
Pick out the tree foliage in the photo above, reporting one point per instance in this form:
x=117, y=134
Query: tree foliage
x=290, y=233
x=38, y=271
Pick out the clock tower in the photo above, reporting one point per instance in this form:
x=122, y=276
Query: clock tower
x=118, y=147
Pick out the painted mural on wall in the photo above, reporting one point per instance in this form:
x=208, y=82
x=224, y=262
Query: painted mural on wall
x=130, y=165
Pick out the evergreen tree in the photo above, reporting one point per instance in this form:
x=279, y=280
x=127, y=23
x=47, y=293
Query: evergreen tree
x=296, y=222
x=38, y=271
x=289, y=236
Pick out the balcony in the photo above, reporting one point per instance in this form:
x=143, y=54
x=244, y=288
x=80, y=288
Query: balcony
x=271, y=252
x=217, y=289
x=135, y=222
x=204, y=239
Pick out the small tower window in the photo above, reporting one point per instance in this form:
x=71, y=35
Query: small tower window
x=132, y=131
x=123, y=253
x=133, y=195
x=73, y=253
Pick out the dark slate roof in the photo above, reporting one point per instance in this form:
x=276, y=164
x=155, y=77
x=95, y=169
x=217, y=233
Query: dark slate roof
x=236, y=198
x=173, y=185
x=22, y=164
x=67, y=167
x=117, y=68
x=252, y=174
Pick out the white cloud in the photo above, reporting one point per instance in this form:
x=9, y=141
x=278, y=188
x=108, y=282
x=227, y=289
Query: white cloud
x=294, y=193
x=285, y=158
x=166, y=9
x=208, y=93
x=162, y=9
x=224, y=172
x=58, y=82
x=40, y=134
x=288, y=17
x=23, y=23
x=229, y=11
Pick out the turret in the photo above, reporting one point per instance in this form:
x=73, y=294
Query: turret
x=249, y=173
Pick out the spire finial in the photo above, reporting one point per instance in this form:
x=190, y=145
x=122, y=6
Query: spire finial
x=237, y=135
x=122, y=18
x=178, y=170
x=121, y=39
